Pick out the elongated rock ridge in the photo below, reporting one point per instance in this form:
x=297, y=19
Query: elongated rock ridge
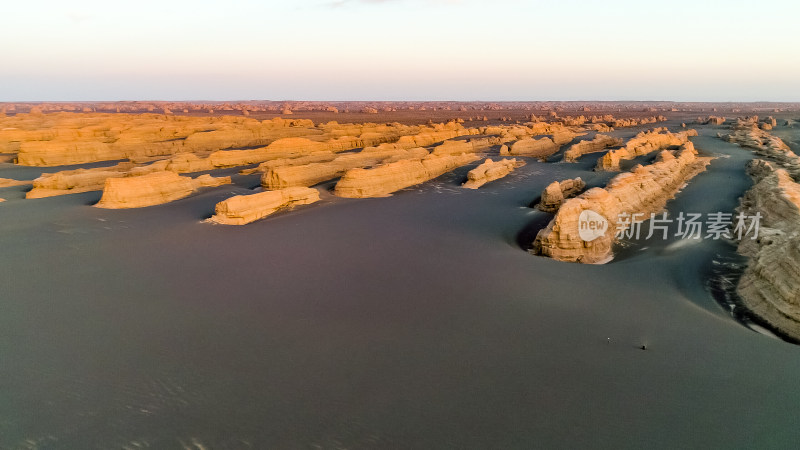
x=243, y=209
x=644, y=143
x=152, y=189
x=644, y=190
x=748, y=134
x=538, y=148
x=489, y=171
x=598, y=144
x=770, y=285
x=557, y=192
x=280, y=177
x=381, y=181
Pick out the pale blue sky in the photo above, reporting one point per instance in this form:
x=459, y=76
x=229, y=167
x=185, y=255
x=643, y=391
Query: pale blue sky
x=400, y=50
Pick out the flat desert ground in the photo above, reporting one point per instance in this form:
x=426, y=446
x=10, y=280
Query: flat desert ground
x=416, y=320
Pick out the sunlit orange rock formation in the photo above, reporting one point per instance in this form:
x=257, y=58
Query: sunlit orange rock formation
x=385, y=179
x=598, y=144
x=644, y=143
x=243, y=209
x=557, y=192
x=644, y=190
x=152, y=189
x=489, y=171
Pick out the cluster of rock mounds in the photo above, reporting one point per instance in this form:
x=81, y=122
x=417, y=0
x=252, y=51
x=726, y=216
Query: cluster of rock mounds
x=557, y=192
x=642, y=144
x=491, y=170
x=770, y=285
x=643, y=190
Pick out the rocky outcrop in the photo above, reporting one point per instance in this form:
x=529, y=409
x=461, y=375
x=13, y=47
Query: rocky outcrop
x=644, y=190
x=748, y=134
x=7, y=182
x=557, y=192
x=538, y=148
x=315, y=157
x=281, y=177
x=243, y=209
x=457, y=147
x=598, y=144
x=711, y=120
x=619, y=123
x=644, y=143
x=381, y=181
x=152, y=189
x=490, y=171
x=770, y=285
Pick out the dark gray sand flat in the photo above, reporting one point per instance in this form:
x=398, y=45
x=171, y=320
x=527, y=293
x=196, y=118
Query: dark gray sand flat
x=413, y=321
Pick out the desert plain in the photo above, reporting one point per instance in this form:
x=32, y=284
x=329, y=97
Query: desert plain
x=396, y=275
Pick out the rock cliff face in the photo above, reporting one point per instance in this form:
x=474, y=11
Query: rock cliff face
x=770, y=285
x=243, y=209
x=645, y=190
x=557, y=192
x=748, y=134
x=381, y=181
x=644, y=143
x=598, y=144
x=490, y=171
x=152, y=189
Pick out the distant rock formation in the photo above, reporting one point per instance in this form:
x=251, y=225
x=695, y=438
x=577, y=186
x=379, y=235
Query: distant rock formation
x=243, y=209
x=770, y=285
x=490, y=171
x=557, y=192
x=644, y=143
x=381, y=181
x=711, y=120
x=152, y=189
x=644, y=190
x=598, y=144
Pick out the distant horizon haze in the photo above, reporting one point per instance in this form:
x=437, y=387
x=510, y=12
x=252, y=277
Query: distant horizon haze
x=400, y=50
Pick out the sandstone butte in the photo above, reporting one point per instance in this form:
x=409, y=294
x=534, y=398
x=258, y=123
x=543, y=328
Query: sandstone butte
x=557, y=192
x=153, y=189
x=489, y=171
x=645, y=190
x=642, y=144
x=770, y=285
x=598, y=144
x=381, y=181
x=748, y=134
x=243, y=209
x=314, y=157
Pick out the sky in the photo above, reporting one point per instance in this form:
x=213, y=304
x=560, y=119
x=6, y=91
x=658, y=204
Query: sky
x=490, y=50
